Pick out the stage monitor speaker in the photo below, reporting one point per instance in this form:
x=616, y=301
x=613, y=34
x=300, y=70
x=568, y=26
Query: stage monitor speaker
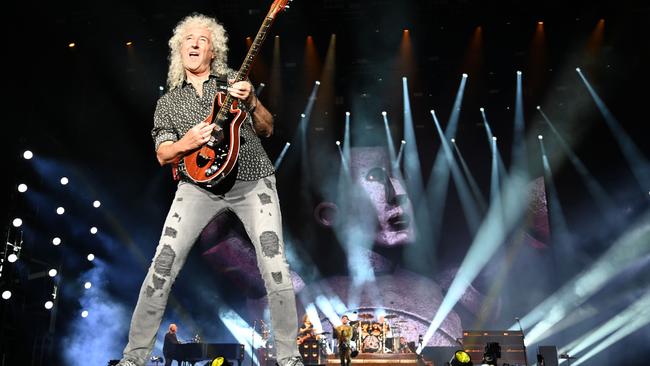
x=549, y=355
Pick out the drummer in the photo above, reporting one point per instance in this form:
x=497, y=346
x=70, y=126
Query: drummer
x=385, y=327
x=365, y=327
x=375, y=329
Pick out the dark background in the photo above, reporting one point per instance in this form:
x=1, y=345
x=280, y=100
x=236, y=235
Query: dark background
x=86, y=112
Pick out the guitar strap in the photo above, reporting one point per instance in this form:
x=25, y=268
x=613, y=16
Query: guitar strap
x=222, y=83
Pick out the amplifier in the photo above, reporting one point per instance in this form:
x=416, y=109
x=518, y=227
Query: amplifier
x=311, y=352
x=513, y=351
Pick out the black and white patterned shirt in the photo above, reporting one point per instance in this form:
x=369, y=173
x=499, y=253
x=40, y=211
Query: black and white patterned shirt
x=181, y=109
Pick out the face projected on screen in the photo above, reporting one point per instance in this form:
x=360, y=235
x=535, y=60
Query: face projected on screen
x=370, y=169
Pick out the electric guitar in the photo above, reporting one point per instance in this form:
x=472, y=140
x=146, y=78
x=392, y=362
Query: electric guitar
x=210, y=164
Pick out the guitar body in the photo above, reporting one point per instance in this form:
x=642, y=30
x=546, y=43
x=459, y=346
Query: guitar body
x=303, y=338
x=210, y=164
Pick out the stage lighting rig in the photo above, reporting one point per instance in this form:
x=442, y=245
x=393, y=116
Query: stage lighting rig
x=219, y=361
x=461, y=358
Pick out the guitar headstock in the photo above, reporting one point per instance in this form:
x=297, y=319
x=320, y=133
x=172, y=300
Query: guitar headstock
x=278, y=6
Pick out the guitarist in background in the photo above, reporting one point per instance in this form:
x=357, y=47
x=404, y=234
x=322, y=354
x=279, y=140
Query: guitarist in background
x=197, y=60
x=306, y=331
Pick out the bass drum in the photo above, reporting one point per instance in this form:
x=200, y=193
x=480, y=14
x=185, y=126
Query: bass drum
x=371, y=344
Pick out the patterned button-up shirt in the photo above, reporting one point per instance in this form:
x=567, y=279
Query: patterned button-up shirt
x=182, y=108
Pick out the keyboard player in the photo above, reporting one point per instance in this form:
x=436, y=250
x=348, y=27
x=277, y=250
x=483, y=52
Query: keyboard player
x=169, y=346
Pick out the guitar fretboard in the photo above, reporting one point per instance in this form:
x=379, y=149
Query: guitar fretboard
x=244, y=70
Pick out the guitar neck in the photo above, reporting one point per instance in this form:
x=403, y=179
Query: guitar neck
x=244, y=70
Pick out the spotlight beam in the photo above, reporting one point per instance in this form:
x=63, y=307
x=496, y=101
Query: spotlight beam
x=468, y=204
x=493, y=231
x=278, y=161
x=640, y=320
x=478, y=195
x=240, y=329
x=498, y=171
x=519, y=139
x=627, y=316
x=439, y=177
x=346, y=138
x=601, y=197
x=564, y=251
x=417, y=255
x=629, y=247
x=391, y=145
x=495, y=189
x=398, y=159
x=638, y=164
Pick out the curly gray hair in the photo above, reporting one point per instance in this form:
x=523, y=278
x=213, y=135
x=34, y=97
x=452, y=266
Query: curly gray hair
x=218, y=39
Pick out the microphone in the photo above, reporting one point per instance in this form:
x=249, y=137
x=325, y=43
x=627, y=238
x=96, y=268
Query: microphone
x=520, y=327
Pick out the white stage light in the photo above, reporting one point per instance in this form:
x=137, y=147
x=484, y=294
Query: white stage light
x=49, y=305
x=91, y=257
x=87, y=285
x=12, y=258
x=56, y=241
x=28, y=155
x=482, y=109
x=540, y=137
x=64, y=181
x=338, y=143
x=383, y=113
x=84, y=314
x=17, y=222
x=60, y=210
x=347, y=113
x=317, y=82
x=22, y=188
x=52, y=273
x=93, y=230
x=6, y=294
x=96, y=204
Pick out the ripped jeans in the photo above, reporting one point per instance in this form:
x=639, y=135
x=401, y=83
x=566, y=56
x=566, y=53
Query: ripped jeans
x=256, y=204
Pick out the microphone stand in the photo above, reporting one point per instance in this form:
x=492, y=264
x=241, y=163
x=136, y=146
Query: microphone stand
x=523, y=338
x=253, y=343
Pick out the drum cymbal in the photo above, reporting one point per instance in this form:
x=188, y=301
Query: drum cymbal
x=366, y=316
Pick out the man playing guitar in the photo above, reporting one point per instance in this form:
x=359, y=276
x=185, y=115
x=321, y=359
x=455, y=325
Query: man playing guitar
x=306, y=332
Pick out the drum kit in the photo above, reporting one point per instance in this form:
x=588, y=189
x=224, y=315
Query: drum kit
x=380, y=336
